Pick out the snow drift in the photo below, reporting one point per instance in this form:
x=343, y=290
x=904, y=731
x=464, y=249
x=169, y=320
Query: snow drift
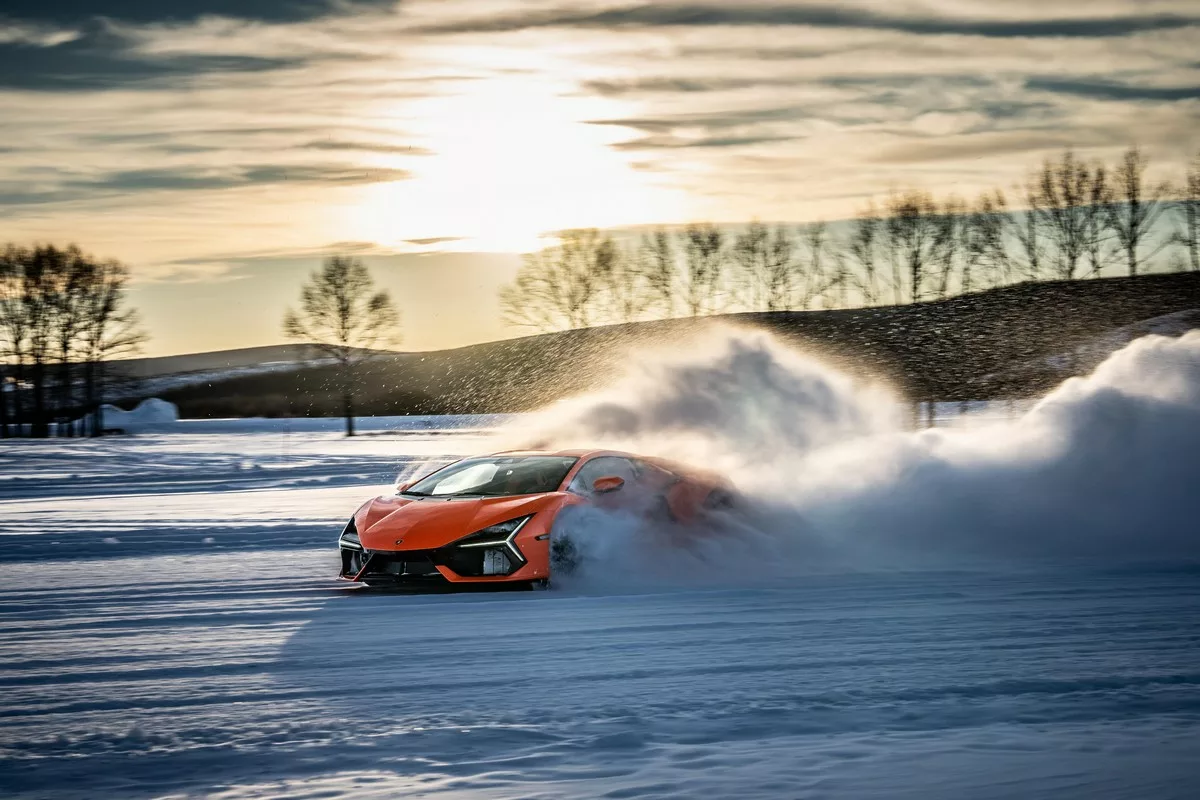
x=150, y=414
x=1106, y=466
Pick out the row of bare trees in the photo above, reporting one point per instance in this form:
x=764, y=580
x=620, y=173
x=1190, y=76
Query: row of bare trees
x=63, y=315
x=1075, y=219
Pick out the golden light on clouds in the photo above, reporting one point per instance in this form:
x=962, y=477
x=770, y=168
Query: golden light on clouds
x=513, y=157
x=235, y=144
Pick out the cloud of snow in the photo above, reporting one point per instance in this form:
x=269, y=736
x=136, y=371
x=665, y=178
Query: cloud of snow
x=1104, y=467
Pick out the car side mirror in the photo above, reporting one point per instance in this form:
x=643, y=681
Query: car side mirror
x=609, y=483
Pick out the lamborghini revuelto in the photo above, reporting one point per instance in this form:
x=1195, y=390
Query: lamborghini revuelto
x=488, y=519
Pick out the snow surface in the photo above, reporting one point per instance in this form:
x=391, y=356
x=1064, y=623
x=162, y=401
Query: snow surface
x=169, y=626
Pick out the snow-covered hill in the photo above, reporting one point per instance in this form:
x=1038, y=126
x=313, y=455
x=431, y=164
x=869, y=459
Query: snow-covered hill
x=1085, y=357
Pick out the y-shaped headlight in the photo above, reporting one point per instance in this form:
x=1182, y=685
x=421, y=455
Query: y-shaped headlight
x=502, y=555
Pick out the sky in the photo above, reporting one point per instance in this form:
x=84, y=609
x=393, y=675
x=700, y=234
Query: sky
x=221, y=148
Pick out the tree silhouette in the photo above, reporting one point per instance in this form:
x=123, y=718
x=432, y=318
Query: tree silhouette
x=911, y=238
x=986, y=246
x=949, y=237
x=61, y=319
x=1188, y=209
x=626, y=293
x=1063, y=191
x=1027, y=230
x=1068, y=219
x=72, y=274
x=862, y=249
x=344, y=318
x=109, y=330
x=1099, y=250
x=768, y=265
x=557, y=287
x=1135, y=209
x=14, y=335
x=822, y=272
x=39, y=270
x=704, y=267
x=659, y=269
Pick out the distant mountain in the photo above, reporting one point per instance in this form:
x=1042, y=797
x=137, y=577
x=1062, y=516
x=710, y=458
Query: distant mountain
x=965, y=348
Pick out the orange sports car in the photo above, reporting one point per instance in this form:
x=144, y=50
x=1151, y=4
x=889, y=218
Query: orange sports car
x=488, y=519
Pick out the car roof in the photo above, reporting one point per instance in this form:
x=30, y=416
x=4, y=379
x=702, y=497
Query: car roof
x=564, y=453
x=675, y=467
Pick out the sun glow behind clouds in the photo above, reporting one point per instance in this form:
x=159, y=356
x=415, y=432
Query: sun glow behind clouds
x=512, y=159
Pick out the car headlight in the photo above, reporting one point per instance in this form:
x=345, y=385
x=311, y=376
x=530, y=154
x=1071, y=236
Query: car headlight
x=491, y=551
x=349, y=537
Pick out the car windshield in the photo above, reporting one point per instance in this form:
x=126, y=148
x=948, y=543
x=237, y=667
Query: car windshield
x=495, y=476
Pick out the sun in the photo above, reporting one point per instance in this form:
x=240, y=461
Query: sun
x=513, y=158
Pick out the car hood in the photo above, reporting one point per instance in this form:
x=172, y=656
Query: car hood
x=403, y=523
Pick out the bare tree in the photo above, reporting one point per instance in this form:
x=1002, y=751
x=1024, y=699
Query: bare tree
x=1188, y=210
x=343, y=317
x=892, y=254
x=911, y=236
x=862, y=249
x=779, y=269
x=1063, y=190
x=985, y=242
x=626, y=292
x=60, y=307
x=110, y=330
x=1027, y=230
x=949, y=227
x=1100, y=252
x=13, y=335
x=39, y=271
x=1135, y=209
x=659, y=269
x=71, y=274
x=749, y=255
x=823, y=274
x=557, y=287
x=704, y=267
x=766, y=261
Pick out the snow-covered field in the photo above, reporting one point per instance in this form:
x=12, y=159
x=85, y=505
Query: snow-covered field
x=169, y=626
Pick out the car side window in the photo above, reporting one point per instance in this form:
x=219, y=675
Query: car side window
x=601, y=467
x=654, y=476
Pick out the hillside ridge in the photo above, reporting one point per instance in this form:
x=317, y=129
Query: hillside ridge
x=953, y=349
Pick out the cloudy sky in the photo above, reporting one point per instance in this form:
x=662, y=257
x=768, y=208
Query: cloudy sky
x=220, y=147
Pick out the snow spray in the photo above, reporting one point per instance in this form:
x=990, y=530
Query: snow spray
x=1105, y=467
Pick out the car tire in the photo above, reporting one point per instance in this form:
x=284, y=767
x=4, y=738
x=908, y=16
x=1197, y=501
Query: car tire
x=564, y=555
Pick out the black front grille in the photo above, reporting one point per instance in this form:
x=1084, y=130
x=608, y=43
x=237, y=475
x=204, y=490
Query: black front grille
x=468, y=561
x=352, y=561
x=399, y=566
